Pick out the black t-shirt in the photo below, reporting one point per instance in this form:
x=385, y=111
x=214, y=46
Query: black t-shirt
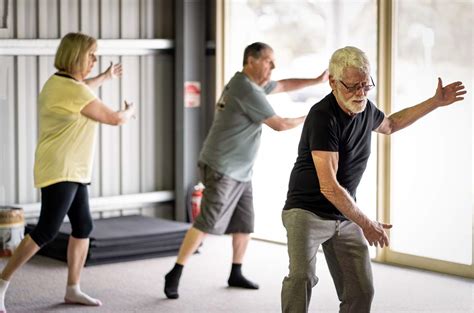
x=328, y=128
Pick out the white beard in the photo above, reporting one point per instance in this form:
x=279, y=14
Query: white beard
x=354, y=107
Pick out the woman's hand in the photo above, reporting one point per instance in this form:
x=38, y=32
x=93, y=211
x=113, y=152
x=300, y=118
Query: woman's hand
x=113, y=71
x=130, y=109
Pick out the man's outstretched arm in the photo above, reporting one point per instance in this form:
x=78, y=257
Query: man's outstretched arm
x=279, y=123
x=291, y=84
x=444, y=96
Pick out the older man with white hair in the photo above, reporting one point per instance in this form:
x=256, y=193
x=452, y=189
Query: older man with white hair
x=321, y=206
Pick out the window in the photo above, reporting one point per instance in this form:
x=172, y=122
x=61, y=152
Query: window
x=428, y=193
x=301, y=49
x=432, y=160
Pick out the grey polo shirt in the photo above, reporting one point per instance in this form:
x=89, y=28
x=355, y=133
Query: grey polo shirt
x=234, y=138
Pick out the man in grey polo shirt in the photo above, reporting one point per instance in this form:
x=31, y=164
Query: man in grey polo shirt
x=227, y=158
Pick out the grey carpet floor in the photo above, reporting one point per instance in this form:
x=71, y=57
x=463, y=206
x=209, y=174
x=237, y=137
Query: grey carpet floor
x=137, y=286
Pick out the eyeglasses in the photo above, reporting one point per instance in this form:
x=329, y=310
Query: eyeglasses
x=358, y=86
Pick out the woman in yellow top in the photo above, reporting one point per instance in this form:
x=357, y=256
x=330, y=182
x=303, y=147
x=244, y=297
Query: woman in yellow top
x=69, y=112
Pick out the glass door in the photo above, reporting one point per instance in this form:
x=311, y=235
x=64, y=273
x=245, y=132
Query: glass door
x=431, y=162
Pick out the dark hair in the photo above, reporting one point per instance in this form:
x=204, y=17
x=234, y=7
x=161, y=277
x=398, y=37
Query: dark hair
x=255, y=50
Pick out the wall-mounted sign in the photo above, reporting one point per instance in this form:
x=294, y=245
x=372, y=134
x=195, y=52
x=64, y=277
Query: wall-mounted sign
x=192, y=94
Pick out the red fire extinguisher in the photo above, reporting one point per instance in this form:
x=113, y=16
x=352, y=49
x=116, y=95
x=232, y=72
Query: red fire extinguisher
x=196, y=198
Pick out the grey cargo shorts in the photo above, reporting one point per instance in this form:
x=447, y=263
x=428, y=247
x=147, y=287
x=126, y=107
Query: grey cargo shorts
x=227, y=204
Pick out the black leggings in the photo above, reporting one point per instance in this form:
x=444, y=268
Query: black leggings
x=60, y=199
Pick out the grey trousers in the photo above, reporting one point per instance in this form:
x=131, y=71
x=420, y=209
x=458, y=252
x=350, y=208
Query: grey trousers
x=346, y=254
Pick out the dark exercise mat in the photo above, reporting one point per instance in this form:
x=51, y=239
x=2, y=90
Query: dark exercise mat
x=61, y=256
x=58, y=248
x=156, y=239
x=131, y=258
x=141, y=240
x=122, y=238
x=127, y=228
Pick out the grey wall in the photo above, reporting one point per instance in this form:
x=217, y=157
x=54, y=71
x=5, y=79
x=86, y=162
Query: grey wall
x=134, y=158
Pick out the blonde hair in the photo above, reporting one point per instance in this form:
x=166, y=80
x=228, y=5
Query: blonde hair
x=348, y=57
x=71, y=56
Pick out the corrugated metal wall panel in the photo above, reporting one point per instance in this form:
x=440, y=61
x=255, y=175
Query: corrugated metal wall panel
x=89, y=19
x=164, y=26
x=110, y=153
x=130, y=144
x=164, y=106
x=27, y=90
x=68, y=17
x=130, y=139
x=134, y=158
x=130, y=17
x=155, y=172
x=8, y=31
x=48, y=19
x=8, y=162
x=109, y=136
x=94, y=188
x=26, y=19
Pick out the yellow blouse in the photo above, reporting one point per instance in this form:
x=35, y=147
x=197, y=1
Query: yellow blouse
x=66, y=137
